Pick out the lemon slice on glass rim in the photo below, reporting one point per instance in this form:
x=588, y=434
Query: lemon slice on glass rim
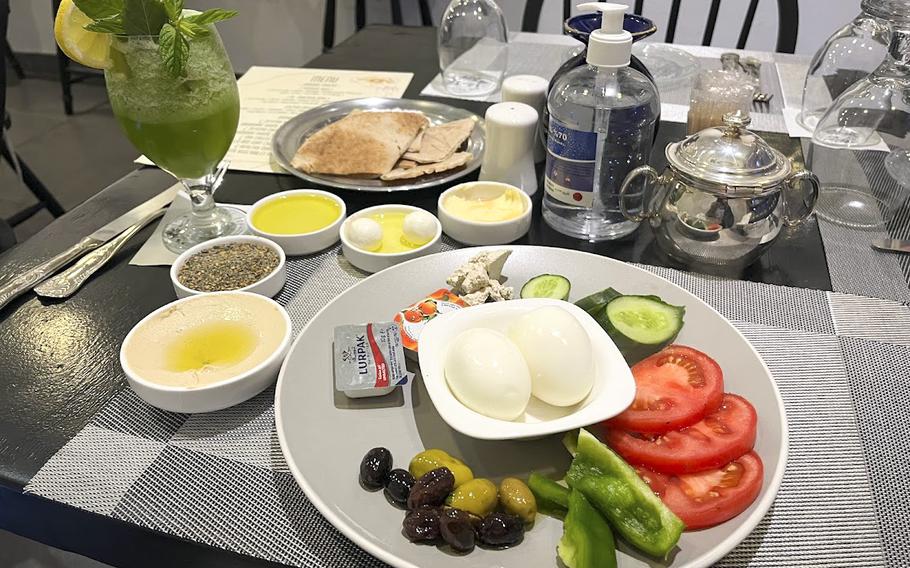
x=91, y=49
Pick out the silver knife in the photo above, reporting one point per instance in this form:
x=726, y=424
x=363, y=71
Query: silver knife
x=891, y=245
x=26, y=281
x=65, y=284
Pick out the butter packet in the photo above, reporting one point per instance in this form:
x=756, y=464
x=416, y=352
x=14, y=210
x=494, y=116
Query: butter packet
x=369, y=359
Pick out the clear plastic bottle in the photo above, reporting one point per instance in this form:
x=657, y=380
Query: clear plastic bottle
x=473, y=47
x=602, y=119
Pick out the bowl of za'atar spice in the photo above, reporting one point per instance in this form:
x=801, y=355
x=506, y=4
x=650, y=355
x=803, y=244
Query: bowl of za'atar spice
x=241, y=263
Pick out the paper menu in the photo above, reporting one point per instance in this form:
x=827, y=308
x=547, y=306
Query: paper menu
x=270, y=96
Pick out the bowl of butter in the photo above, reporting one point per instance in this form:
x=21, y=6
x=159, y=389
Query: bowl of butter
x=485, y=213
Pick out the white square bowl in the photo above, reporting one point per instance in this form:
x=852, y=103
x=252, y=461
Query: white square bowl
x=613, y=390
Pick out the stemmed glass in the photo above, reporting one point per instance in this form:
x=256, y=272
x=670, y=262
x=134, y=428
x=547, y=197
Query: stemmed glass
x=473, y=47
x=875, y=108
x=184, y=124
x=848, y=55
x=898, y=165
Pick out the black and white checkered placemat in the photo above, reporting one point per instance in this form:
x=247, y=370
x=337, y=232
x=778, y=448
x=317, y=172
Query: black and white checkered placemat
x=839, y=360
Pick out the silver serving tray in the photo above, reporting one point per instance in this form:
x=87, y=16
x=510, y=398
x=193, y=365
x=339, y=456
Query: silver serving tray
x=292, y=133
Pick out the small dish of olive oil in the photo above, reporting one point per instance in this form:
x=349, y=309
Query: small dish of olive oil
x=300, y=221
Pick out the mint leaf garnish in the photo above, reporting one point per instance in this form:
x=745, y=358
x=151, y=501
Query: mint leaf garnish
x=111, y=25
x=211, y=16
x=173, y=9
x=163, y=19
x=100, y=9
x=191, y=30
x=174, y=50
x=143, y=17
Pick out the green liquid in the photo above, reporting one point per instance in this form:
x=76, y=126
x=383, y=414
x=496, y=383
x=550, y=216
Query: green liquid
x=186, y=147
x=185, y=125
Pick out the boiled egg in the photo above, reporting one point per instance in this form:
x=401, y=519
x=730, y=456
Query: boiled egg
x=558, y=354
x=487, y=373
x=365, y=234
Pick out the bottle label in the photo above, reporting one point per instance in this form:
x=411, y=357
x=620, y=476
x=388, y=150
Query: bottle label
x=571, y=158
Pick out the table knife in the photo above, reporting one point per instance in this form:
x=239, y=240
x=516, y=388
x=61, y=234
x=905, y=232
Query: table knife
x=26, y=281
x=892, y=245
x=65, y=284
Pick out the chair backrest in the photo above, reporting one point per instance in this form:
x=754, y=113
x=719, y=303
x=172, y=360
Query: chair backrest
x=530, y=19
x=360, y=17
x=4, y=21
x=787, y=30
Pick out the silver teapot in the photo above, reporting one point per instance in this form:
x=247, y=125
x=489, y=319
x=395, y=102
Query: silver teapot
x=724, y=196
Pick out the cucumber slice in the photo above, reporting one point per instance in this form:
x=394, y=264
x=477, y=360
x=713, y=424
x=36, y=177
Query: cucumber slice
x=547, y=286
x=596, y=301
x=640, y=325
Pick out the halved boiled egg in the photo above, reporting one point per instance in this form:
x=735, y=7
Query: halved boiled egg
x=487, y=373
x=558, y=353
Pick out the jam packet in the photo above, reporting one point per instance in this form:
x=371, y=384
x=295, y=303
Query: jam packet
x=415, y=317
x=369, y=359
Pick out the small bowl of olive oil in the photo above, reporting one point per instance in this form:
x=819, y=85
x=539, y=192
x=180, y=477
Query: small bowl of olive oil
x=301, y=221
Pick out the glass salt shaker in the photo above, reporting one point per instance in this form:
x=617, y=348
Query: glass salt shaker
x=473, y=47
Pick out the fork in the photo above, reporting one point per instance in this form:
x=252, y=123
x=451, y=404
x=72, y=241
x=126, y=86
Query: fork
x=751, y=67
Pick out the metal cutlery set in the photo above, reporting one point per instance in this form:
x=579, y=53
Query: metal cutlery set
x=92, y=251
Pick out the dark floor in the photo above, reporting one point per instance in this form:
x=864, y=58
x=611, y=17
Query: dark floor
x=75, y=156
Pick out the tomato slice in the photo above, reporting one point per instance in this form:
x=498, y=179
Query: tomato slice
x=710, y=497
x=675, y=388
x=720, y=437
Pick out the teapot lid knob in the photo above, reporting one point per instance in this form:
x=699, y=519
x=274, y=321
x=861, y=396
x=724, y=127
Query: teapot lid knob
x=737, y=120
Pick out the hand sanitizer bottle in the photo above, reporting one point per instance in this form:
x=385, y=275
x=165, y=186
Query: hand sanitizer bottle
x=602, y=117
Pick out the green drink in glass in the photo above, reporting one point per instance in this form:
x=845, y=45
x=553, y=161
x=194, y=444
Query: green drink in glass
x=184, y=123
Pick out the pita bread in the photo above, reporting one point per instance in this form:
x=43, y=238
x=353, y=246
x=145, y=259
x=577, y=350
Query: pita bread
x=440, y=142
x=455, y=161
x=405, y=164
x=416, y=142
x=362, y=143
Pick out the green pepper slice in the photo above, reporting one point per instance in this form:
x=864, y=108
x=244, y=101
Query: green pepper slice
x=587, y=541
x=613, y=487
x=552, y=498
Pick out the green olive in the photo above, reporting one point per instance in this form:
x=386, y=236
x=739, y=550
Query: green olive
x=477, y=496
x=429, y=460
x=516, y=498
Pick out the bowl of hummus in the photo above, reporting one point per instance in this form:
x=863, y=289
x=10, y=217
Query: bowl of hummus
x=485, y=213
x=206, y=352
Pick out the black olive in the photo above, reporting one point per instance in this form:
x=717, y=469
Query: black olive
x=375, y=468
x=398, y=487
x=421, y=525
x=432, y=488
x=501, y=530
x=457, y=528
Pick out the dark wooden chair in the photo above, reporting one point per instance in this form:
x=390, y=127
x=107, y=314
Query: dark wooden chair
x=69, y=72
x=788, y=27
x=360, y=17
x=530, y=19
x=41, y=193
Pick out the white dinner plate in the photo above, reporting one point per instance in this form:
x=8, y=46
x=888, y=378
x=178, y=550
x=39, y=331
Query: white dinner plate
x=324, y=435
